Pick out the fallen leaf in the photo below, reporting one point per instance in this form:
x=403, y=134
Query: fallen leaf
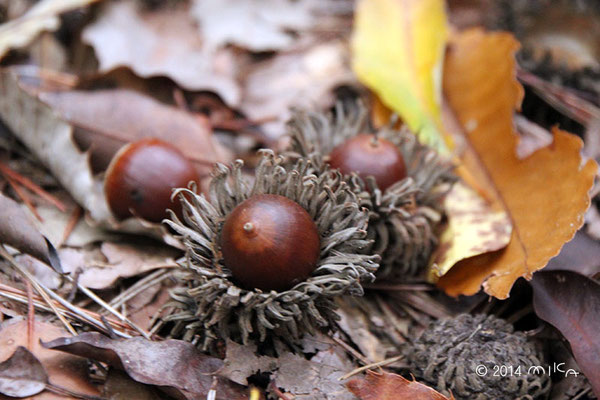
x=105, y=120
x=173, y=365
x=580, y=255
x=571, y=302
x=18, y=231
x=387, y=386
x=398, y=50
x=119, y=386
x=473, y=228
x=297, y=79
x=265, y=25
x=162, y=43
x=296, y=375
x=64, y=370
x=545, y=195
x=22, y=375
x=43, y=16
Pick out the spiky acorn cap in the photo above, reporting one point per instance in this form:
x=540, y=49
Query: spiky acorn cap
x=210, y=306
x=402, y=218
x=464, y=355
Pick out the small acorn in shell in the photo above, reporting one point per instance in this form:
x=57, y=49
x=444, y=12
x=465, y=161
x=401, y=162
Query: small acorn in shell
x=267, y=257
x=399, y=180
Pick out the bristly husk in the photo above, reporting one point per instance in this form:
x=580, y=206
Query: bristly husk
x=209, y=305
x=403, y=218
x=464, y=354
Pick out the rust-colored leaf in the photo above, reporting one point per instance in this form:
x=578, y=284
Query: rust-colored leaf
x=387, y=386
x=545, y=194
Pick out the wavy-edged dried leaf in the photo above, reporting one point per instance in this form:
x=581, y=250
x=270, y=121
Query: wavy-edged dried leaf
x=165, y=43
x=545, y=195
x=64, y=370
x=571, y=302
x=175, y=366
x=18, y=231
x=387, y=386
x=22, y=374
x=41, y=17
x=398, y=50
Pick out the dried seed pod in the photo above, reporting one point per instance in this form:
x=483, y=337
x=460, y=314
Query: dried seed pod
x=404, y=215
x=212, y=305
x=464, y=355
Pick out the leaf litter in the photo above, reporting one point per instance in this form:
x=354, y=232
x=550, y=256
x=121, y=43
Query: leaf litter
x=150, y=70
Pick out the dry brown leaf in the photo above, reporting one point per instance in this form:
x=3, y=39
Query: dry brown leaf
x=63, y=370
x=387, y=386
x=546, y=194
x=41, y=17
x=299, y=79
x=175, y=366
x=264, y=25
x=22, y=374
x=165, y=43
x=316, y=378
x=18, y=231
x=105, y=120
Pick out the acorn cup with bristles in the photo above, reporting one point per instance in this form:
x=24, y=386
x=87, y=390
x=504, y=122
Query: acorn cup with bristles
x=267, y=257
x=399, y=180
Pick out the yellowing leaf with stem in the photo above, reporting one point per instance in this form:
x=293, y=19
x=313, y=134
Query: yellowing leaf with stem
x=398, y=50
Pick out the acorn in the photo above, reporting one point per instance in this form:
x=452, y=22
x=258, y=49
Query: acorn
x=367, y=155
x=463, y=355
x=267, y=257
x=269, y=242
x=399, y=180
x=141, y=177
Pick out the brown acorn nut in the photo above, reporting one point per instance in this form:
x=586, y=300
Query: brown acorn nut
x=368, y=155
x=270, y=242
x=141, y=176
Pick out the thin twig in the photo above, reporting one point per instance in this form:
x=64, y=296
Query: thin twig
x=141, y=285
x=30, y=317
x=102, y=303
x=278, y=392
x=24, y=196
x=369, y=366
x=29, y=184
x=71, y=224
x=351, y=350
x=77, y=314
x=37, y=285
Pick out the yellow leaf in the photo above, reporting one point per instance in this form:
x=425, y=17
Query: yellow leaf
x=474, y=228
x=398, y=49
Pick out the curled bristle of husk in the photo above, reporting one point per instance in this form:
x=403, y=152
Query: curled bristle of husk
x=463, y=355
x=209, y=305
x=402, y=218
